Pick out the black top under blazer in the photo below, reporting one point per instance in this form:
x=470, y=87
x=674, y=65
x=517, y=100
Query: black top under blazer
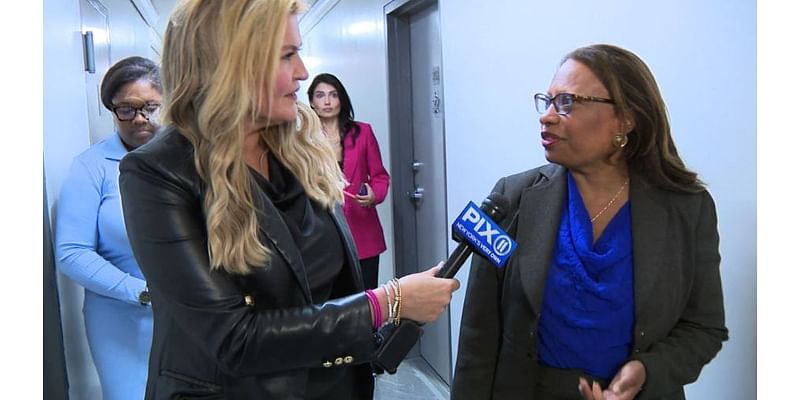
x=679, y=317
x=210, y=342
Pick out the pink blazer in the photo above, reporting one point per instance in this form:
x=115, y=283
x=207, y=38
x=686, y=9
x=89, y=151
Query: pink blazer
x=362, y=163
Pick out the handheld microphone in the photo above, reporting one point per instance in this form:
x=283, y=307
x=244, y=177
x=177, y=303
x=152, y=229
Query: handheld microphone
x=494, y=206
x=479, y=233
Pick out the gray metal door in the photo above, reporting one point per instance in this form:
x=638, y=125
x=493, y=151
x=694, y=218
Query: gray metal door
x=429, y=179
x=418, y=163
x=97, y=60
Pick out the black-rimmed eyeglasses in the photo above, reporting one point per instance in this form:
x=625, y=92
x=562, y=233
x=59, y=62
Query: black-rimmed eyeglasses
x=563, y=102
x=128, y=113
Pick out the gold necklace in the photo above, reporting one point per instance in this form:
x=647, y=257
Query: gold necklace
x=621, y=188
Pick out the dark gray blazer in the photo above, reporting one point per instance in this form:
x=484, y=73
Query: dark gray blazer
x=680, y=321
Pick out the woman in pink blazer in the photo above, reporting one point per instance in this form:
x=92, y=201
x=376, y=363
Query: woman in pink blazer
x=360, y=159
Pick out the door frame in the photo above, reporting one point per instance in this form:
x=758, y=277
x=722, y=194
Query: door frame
x=398, y=47
x=398, y=15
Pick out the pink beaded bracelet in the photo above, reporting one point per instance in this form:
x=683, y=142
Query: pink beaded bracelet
x=376, y=307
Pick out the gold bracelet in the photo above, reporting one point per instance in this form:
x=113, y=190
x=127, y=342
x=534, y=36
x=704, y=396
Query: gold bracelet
x=393, y=285
x=398, y=300
x=388, y=303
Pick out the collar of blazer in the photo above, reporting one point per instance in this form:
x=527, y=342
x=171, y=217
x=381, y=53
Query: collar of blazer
x=271, y=224
x=277, y=233
x=649, y=227
x=540, y=207
x=349, y=246
x=351, y=158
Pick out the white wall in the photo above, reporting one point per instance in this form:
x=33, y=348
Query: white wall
x=348, y=41
x=66, y=134
x=497, y=54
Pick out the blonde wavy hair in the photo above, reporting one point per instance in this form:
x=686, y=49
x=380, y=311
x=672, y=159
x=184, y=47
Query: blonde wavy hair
x=219, y=57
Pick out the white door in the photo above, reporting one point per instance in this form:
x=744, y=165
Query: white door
x=97, y=54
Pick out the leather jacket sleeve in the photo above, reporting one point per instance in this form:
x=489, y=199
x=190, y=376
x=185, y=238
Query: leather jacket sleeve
x=162, y=204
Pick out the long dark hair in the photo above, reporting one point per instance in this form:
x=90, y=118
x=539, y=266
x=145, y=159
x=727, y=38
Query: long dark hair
x=346, y=116
x=650, y=150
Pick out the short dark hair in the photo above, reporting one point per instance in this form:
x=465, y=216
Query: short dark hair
x=651, y=150
x=346, y=117
x=125, y=71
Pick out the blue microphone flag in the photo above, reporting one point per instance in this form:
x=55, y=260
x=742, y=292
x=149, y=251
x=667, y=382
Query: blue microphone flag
x=485, y=235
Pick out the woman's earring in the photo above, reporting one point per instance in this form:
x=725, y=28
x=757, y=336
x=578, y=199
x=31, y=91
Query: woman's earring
x=620, y=140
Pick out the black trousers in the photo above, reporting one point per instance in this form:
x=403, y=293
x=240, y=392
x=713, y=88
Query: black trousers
x=562, y=384
x=369, y=272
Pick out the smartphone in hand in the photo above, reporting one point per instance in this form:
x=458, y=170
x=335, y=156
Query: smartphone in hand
x=363, y=190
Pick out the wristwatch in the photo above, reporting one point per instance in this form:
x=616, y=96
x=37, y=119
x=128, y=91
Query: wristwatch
x=144, y=297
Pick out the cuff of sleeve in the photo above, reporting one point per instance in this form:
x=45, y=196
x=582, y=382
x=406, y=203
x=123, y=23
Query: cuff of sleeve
x=655, y=384
x=144, y=297
x=135, y=289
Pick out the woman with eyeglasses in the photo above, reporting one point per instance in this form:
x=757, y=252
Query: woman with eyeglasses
x=614, y=290
x=91, y=241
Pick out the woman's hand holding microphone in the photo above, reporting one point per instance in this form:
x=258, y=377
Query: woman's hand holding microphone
x=423, y=296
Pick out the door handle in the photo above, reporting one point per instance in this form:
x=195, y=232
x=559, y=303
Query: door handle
x=417, y=195
x=88, y=52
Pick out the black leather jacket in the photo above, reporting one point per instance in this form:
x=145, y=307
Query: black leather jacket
x=224, y=336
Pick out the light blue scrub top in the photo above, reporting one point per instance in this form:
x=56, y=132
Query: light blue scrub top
x=92, y=249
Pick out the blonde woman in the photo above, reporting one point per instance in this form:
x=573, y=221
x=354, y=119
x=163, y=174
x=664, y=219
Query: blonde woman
x=234, y=214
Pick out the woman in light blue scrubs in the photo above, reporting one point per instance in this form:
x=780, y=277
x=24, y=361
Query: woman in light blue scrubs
x=91, y=241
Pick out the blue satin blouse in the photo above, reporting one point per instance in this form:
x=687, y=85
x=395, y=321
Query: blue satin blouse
x=587, y=314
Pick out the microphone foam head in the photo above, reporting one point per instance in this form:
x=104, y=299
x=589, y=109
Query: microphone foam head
x=496, y=205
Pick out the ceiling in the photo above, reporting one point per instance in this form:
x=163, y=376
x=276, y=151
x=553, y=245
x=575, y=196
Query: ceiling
x=164, y=7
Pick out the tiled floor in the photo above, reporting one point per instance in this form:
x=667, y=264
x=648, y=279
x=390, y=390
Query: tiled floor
x=414, y=380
